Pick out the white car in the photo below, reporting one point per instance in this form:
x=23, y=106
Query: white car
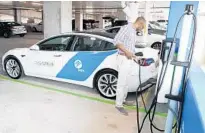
x=163, y=22
x=87, y=59
x=154, y=37
x=37, y=27
x=8, y=29
x=157, y=26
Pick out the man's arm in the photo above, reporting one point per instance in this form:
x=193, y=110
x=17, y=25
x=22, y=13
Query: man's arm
x=119, y=40
x=128, y=54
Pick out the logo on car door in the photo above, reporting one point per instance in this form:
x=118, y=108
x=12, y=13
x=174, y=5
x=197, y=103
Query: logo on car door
x=78, y=65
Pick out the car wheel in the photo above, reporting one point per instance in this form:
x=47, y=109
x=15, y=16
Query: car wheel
x=106, y=84
x=6, y=34
x=156, y=45
x=13, y=68
x=34, y=29
x=22, y=35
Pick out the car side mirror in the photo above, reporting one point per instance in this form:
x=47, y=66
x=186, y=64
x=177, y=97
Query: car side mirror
x=34, y=47
x=150, y=31
x=139, y=34
x=139, y=54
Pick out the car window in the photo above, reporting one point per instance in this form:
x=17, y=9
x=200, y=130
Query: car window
x=115, y=30
x=120, y=23
x=12, y=24
x=161, y=21
x=92, y=44
x=61, y=43
x=109, y=30
x=108, y=46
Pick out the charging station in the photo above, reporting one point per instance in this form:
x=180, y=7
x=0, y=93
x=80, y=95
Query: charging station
x=192, y=117
x=175, y=79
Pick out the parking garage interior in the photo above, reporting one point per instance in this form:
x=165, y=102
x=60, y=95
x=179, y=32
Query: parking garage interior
x=36, y=103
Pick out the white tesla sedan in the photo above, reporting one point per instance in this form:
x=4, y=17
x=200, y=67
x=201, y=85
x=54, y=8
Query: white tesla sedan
x=87, y=59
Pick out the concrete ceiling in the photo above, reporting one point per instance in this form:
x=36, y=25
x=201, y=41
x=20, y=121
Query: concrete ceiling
x=114, y=4
x=89, y=7
x=23, y=4
x=96, y=4
x=79, y=4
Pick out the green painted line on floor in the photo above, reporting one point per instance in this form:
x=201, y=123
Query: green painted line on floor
x=77, y=94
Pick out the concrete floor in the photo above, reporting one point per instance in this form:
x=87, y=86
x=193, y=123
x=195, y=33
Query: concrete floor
x=27, y=108
x=50, y=112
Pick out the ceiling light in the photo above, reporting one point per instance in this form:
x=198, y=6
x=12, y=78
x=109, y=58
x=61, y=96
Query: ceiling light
x=35, y=3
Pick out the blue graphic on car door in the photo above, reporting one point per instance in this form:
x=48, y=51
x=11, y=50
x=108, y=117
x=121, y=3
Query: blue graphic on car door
x=82, y=65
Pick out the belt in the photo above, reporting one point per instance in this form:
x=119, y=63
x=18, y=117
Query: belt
x=121, y=54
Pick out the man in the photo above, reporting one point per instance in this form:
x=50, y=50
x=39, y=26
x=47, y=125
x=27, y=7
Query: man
x=125, y=41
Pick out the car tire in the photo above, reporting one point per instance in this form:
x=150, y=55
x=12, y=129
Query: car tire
x=22, y=35
x=13, y=67
x=156, y=45
x=34, y=29
x=7, y=35
x=106, y=84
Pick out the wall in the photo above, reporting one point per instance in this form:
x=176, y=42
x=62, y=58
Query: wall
x=25, y=14
x=200, y=38
x=194, y=107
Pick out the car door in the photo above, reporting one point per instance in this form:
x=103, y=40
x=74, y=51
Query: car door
x=50, y=58
x=89, y=54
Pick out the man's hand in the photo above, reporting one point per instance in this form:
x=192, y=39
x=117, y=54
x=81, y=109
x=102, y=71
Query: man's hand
x=129, y=55
x=157, y=63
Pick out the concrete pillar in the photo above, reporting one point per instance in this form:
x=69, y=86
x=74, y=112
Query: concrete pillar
x=17, y=15
x=131, y=11
x=57, y=17
x=147, y=18
x=79, y=21
x=121, y=15
x=101, y=21
x=42, y=15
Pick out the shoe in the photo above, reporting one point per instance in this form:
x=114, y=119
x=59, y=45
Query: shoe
x=122, y=111
x=129, y=103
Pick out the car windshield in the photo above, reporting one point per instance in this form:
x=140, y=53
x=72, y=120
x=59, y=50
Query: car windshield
x=161, y=21
x=155, y=25
x=120, y=23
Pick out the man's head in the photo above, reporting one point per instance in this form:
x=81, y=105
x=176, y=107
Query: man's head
x=140, y=23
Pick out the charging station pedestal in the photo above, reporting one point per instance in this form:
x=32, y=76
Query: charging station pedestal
x=173, y=79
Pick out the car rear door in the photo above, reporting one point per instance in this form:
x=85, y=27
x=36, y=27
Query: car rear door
x=89, y=53
x=50, y=58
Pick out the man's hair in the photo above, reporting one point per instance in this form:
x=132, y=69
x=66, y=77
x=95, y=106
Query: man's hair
x=141, y=20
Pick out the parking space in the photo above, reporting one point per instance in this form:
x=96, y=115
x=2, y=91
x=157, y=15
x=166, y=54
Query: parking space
x=72, y=77
x=50, y=111
x=34, y=100
x=102, y=66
